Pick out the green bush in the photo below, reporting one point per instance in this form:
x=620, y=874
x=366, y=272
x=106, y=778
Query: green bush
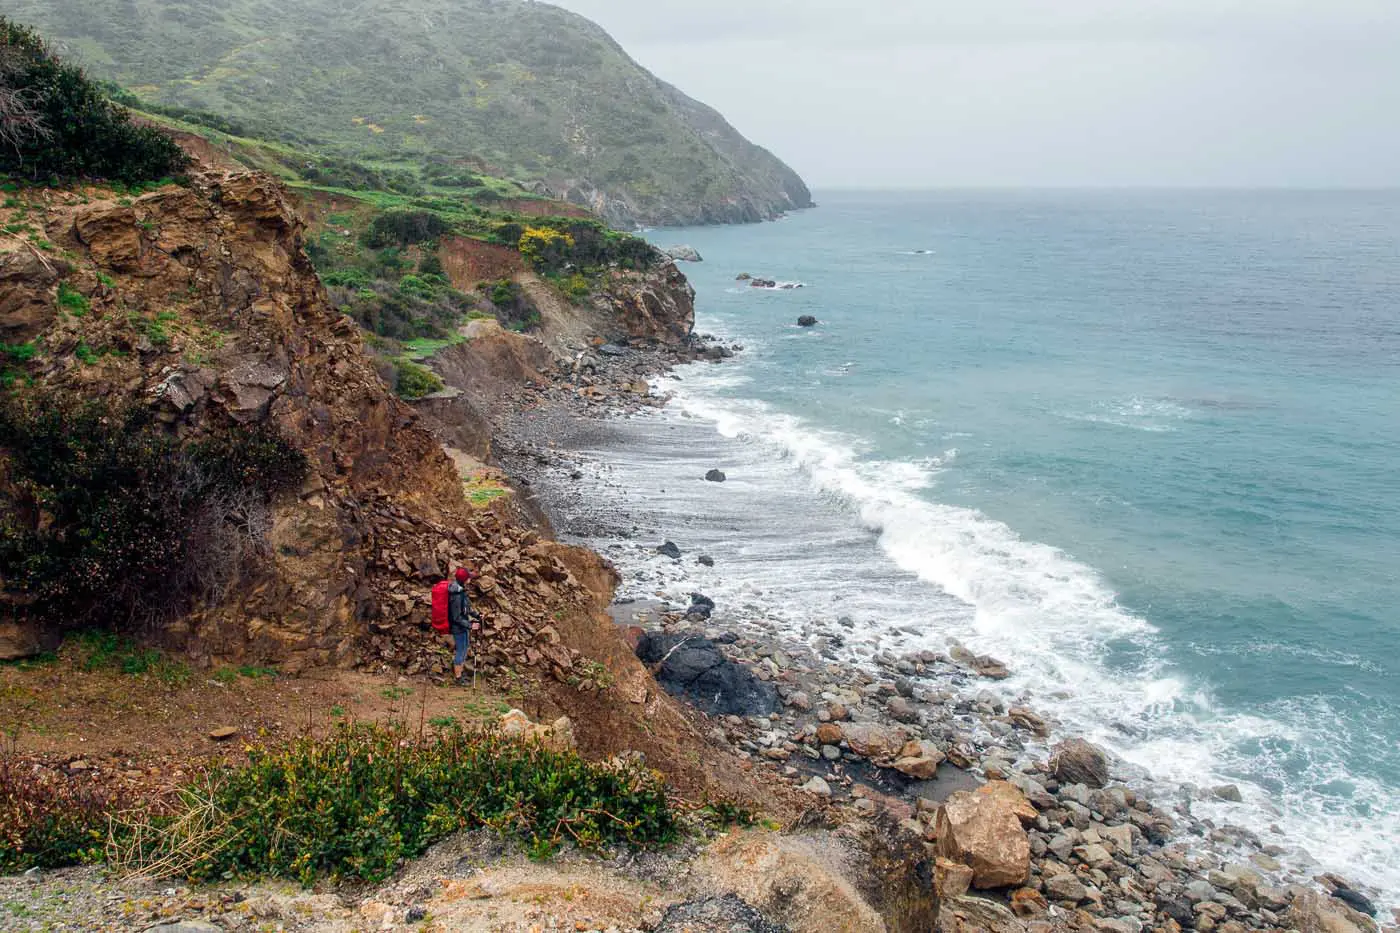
x=110, y=519
x=405, y=227
x=55, y=123
x=353, y=805
x=413, y=381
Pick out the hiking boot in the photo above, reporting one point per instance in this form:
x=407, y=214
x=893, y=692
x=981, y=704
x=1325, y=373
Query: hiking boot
x=460, y=680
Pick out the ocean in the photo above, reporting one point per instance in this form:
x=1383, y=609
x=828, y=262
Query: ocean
x=1141, y=446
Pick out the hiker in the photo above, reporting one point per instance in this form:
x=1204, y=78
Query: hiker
x=461, y=622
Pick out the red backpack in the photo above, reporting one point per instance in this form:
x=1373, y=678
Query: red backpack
x=440, y=622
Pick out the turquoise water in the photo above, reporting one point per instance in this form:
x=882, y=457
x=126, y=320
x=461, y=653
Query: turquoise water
x=1142, y=445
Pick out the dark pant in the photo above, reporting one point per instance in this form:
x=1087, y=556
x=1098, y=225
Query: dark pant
x=460, y=643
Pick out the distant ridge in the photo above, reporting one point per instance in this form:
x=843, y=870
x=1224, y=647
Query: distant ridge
x=509, y=87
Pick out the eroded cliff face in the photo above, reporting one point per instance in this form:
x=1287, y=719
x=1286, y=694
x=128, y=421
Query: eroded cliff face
x=206, y=309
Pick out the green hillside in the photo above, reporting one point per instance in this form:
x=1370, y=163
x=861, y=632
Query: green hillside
x=507, y=87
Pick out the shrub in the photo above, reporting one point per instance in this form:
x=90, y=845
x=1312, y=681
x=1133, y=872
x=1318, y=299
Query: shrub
x=56, y=123
x=48, y=820
x=413, y=381
x=545, y=248
x=111, y=519
x=405, y=227
x=353, y=805
x=72, y=300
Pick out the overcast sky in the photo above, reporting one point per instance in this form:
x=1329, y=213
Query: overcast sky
x=1040, y=92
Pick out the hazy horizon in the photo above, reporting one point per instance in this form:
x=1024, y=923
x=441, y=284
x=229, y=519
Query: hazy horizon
x=1012, y=94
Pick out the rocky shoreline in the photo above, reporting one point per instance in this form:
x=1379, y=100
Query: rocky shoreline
x=1032, y=830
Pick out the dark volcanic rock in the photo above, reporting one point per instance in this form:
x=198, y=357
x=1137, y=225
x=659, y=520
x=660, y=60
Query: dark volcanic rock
x=693, y=667
x=727, y=914
x=670, y=550
x=705, y=560
x=806, y=320
x=1355, y=900
x=716, y=476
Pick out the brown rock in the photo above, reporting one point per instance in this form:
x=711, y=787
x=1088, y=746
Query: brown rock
x=1023, y=718
x=1010, y=796
x=829, y=733
x=1028, y=902
x=875, y=740
x=983, y=831
x=951, y=879
x=222, y=733
x=1313, y=913
x=919, y=759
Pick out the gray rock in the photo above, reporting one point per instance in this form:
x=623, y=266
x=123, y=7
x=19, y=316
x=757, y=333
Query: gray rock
x=902, y=710
x=670, y=550
x=1076, y=761
x=1228, y=792
x=693, y=667
x=1065, y=888
x=1200, y=890
x=716, y=476
x=705, y=560
x=818, y=786
x=727, y=914
x=186, y=926
x=683, y=254
x=806, y=320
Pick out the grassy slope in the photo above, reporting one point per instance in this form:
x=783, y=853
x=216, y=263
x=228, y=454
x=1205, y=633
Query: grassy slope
x=519, y=89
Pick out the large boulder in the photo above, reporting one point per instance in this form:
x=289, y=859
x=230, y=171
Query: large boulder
x=875, y=740
x=1076, y=761
x=693, y=667
x=1010, y=796
x=984, y=832
x=1313, y=913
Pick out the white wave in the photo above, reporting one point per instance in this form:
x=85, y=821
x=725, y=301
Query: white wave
x=1058, y=625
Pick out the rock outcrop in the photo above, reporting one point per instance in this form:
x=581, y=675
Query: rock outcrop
x=1076, y=761
x=984, y=832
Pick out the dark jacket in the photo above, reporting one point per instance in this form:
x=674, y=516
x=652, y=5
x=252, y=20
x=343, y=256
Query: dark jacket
x=459, y=609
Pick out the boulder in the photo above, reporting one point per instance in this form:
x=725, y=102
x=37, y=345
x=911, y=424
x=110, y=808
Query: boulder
x=716, y=476
x=977, y=915
x=918, y=759
x=796, y=881
x=829, y=733
x=19, y=640
x=670, y=550
x=951, y=879
x=980, y=664
x=693, y=667
x=875, y=740
x=1010, y=796
x=818, y=786
x=984, y=832
x=557, y=736
x=683, y=254
x=806, y=320
x=1076, y=761
x=1313, y=913
x=1065, y=888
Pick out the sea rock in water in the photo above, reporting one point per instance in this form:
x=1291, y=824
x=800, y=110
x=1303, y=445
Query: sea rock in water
x=670, y=550
x=1076, y=761
x=743, y=277
x=980, y=664
x=716, y=476
x=705, y=560
x=983, y=832
x=806, y=320
x=763, y=283
x=683, y=254
x=693, y=667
